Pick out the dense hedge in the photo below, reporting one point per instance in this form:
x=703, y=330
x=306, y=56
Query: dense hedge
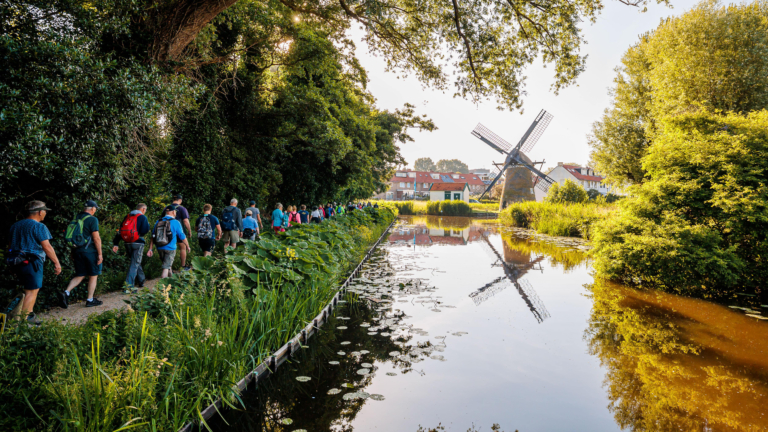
x=186, y=343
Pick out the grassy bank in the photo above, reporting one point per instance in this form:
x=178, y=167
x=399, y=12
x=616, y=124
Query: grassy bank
x=185, y=344
x=409, y=208
x=567, y=220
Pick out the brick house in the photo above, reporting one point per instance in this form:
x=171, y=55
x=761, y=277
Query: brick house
x=406, y=184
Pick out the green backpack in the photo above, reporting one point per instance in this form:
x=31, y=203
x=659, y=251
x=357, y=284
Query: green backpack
x=74, y=233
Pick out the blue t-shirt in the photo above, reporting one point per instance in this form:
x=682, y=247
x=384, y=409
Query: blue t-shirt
x=250, y=222
x=214, y=222
x=176, y=231
x=27, y=236
x=277, y=218
x=304, y=216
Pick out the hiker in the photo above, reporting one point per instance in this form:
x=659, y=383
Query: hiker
x=166, y=234
x=132, y=231
x=329, y=212
x=304, y=214
x=339, y=209
x=376, y=205
x=316, y=215
x=350, y=207
x=293, y=216
x=182, y=215
x=250, y=226
x=231, y=224
x=369, y=204
x=278, y=219
x=204, y=225
x=256, y=215
x=83, y=232
x=30, y=243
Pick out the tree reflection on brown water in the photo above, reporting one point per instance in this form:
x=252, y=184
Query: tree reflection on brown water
x=676, y=363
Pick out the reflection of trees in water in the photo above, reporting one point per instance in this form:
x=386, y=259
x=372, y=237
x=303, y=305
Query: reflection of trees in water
x=678, y=364
x=281, y=396
x=565, y=256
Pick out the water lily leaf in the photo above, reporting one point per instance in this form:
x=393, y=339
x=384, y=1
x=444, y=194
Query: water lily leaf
x=366, y=365
x=334, y=391
x=391, y=374
x=364, y=352
x=286, y=421
x=303, y=378
x=364, y=371
x=377, y=397
x=394, y=353
x=333, y=362
x=348, y=385
x=341, y=353
x=342, y=327
x=346, y=343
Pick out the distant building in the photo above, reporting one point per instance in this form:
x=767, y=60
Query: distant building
x=449, y=191
x=407, y=184
x=584, y=176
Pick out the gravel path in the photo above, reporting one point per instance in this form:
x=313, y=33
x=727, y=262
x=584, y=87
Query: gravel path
x=77, y=313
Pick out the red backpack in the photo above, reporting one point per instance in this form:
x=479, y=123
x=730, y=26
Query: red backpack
x=128, y=231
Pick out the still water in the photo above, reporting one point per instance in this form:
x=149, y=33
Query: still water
x=460, y=324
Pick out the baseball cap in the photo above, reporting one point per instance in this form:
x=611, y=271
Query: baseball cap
x=253, y=202
x=170, y=208
x=91, y=203
x=177, y=197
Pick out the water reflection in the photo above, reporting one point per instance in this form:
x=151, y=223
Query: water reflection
x=676, y=363
x=433, y=230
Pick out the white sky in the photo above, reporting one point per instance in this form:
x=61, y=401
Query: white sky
x=574, y=109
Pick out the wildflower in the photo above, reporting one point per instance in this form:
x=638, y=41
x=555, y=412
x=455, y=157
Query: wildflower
x=221, y=343
x=207, y=334
x=105, y=327
x=197, y=322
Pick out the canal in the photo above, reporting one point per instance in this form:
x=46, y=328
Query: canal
x=466, y=325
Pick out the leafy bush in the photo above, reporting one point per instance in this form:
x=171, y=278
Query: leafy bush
x=566, y=220
x=449, y=208
x=700, y=222
x=569, y=192
x=186, y=343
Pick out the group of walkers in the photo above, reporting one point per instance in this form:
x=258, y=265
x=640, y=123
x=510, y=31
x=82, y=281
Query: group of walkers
x=30, y=241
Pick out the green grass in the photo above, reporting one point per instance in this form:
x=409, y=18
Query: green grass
x=408, y=208
x=186, y=343
x=566, y=220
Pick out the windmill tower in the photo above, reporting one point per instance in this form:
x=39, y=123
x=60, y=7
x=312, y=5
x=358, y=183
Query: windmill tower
x=520, y=172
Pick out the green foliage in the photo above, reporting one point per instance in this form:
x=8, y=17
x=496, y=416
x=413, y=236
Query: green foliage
x=405, y=208
x=186, y=343
x=673, y=70
x=452, y=166
x=449, y=208
x=557, y=219
x=699, y=224
x=424, y=164
x=569, y=192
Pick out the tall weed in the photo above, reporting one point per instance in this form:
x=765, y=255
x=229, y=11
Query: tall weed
x=557, y=219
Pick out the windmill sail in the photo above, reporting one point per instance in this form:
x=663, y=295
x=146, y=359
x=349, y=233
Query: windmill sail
x=496, y=142
x=535, y=131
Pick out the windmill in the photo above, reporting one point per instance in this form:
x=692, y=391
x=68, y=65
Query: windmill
x=517, y=168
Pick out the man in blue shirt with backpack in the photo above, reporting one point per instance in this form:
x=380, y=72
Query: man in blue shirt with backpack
x=165, y=235
x=231, y=224
x=132, y=231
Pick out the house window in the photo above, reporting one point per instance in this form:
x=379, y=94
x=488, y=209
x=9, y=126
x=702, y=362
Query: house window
x=447, y=196
x=457, y=196
x=412, y=174
x=455, y=176
x=402, y=184
x=462, y=176
x=401, y=174
x=426, y=185
x=408, y=185
x=436, y=176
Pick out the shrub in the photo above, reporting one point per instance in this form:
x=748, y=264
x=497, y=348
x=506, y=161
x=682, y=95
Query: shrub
x=449, y=208
x=700, y=222
x=569, y=192
x=558, y=219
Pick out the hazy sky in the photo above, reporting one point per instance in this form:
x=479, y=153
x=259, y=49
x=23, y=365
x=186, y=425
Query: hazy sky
x=574, y=109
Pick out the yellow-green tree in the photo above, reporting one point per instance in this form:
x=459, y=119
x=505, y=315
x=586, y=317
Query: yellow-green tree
x=569, y=192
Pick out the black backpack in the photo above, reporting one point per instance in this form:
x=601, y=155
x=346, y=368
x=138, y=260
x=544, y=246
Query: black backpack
x=162, y=235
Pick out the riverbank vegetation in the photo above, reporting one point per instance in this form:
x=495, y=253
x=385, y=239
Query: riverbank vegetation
x=557, y=219
x=441, y=208
x=687, y=131
x=186, y=343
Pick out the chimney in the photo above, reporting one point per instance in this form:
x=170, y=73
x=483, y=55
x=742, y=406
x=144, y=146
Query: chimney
x=559, y=164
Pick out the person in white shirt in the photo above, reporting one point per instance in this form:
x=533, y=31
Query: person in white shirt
x=316, y=216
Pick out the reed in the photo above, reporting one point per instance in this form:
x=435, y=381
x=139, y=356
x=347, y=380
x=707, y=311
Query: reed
x=557, y=219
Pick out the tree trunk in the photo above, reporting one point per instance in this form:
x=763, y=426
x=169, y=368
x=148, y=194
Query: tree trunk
x=180, y=24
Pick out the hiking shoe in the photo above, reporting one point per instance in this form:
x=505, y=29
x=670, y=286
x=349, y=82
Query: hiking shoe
x=32, y=320
x=94, y=302
x=63, y=300
x=187, y=268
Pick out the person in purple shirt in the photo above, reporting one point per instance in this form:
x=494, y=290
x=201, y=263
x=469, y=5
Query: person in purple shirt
x=182, y=215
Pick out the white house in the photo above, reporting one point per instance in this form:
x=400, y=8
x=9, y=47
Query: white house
x=449, y=191
x=584, y=176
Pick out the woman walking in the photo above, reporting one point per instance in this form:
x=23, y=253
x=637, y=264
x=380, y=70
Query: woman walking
x=278, y=219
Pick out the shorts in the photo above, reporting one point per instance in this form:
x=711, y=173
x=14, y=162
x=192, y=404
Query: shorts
x=166, y=256
x=231, y=236
x=31, y=275
x=207, y=245
x=278, y=229
x=315, y=220
x=85, y=263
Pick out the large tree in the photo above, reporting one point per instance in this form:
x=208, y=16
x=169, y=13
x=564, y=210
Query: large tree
x=673, y=70
x=452, y=166
x=424, y=164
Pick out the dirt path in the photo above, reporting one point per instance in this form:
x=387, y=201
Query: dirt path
x=77, y=313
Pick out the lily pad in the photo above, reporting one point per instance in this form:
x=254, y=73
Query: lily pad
x=391, y=374
x=377, y=397
x=286, y=421
x=365, y=325
x=372, y=333
x=342, y=327
x=394, y=353
x=333, y=362
x=334, y=391
x=364, y=371
x=364, y=352
x=302, y=379
x=348, y=385
x=345, y=343
x=341, y=353
x=366, y=365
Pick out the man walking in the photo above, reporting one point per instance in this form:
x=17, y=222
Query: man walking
x=29, y=245
x=205, y=226
x=304, y=214
x=83, y=232
x=250, y=226
x=278, y=219
x=165, y=235
x=231, y=224
x=182, y=215
x=132, y=231
x=256, y=215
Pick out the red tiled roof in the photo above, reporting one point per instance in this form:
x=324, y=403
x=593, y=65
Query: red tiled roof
x=573, y=170
x=426, y=177
x=439, y=187
x=447, y=240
